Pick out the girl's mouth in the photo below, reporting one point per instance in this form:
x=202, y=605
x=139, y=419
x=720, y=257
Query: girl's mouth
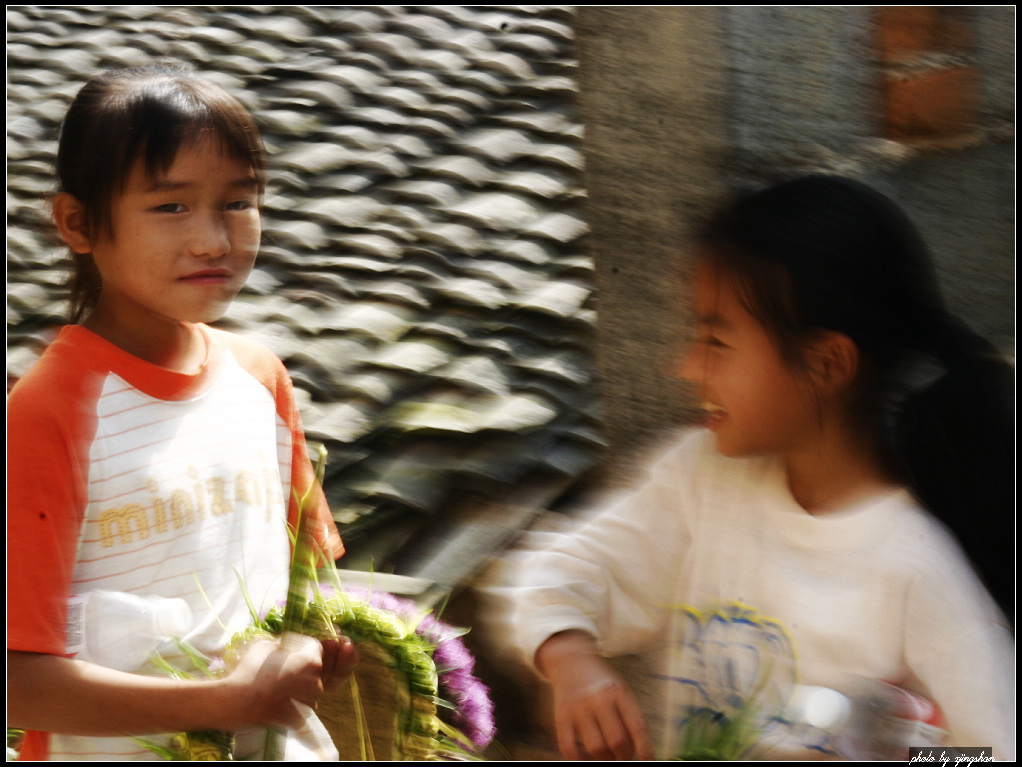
x=207, y=277
x=712, y=414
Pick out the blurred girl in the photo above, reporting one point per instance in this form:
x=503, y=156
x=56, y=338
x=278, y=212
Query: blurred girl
x=847, y=416
x=149, y=453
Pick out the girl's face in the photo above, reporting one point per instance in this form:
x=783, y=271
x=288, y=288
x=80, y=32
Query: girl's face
x=754, y=401
x=183, y=243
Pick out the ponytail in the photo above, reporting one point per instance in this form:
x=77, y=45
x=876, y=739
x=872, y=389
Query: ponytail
x=955, y=440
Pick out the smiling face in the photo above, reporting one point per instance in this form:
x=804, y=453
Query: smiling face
x=755, y=401
x=183, y=243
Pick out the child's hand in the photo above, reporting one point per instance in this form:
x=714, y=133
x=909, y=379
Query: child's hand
x=595, y=713
x=339, y=659
x=273, y=677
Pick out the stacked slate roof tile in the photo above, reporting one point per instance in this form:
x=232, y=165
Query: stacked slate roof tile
x=422, y=272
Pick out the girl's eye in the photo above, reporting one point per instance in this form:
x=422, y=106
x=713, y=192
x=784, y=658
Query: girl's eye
x=241, y=205
x=714, y=342
x=170, y=207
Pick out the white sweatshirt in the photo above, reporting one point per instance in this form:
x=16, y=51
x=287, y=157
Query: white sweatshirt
x=713, y=554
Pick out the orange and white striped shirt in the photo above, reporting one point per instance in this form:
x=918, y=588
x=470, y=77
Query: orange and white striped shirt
x=125, y=476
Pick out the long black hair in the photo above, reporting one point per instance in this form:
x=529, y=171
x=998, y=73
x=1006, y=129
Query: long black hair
x=823, y=252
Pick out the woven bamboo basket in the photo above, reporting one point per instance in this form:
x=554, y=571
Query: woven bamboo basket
x=363, y=715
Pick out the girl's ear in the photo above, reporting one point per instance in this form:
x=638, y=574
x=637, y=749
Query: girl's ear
x=69, y=215
x=833, y=360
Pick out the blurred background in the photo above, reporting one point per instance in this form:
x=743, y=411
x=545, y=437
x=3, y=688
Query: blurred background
x=478, y=217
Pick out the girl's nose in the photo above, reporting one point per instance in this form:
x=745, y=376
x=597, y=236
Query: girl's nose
x=689, y=364
x=210, y=238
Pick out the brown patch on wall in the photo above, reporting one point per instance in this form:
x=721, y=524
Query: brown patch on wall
x=906, y=32
x=940, y=102
x=930, y=87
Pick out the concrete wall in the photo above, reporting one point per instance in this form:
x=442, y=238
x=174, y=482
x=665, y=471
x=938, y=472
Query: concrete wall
x=681, y=104
x=652, y=95
x=801, y=88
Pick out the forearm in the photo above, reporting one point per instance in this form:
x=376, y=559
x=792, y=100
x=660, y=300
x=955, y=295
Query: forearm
x=54, y=694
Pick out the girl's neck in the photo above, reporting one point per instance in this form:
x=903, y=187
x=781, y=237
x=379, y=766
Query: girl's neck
x=839, y=470
x=181, y=347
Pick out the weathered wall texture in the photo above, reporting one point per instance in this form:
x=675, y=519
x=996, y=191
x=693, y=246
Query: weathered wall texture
x=800, y=88
x=683, y=104
x=652, y=91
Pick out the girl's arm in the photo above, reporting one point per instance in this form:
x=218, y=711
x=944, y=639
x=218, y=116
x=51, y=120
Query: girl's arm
x=605, y=589
x=55, y=694
x=614, y=575
x=596, y=714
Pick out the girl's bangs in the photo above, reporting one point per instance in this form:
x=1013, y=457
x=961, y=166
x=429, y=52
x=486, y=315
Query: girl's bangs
x=164, y=122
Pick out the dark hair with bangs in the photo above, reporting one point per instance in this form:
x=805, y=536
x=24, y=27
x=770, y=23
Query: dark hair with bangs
x=829, y=253
x=147, y=113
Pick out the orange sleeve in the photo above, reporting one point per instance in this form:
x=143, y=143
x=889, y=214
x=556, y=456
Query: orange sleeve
x=50, y=426
x=265, y=366
x=307, y=497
